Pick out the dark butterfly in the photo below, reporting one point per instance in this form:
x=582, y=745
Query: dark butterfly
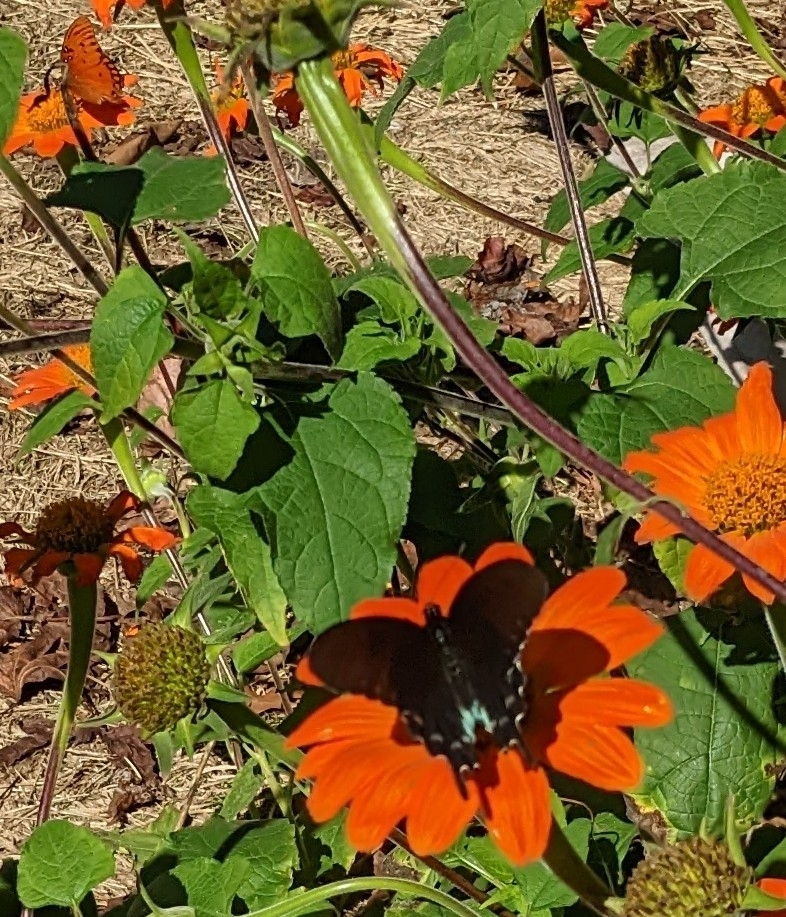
x=458, y=680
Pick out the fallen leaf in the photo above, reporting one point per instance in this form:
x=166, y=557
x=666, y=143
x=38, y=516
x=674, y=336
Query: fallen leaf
x=127, y=798
x=498, y=262
x=314, y=195
x=125, y=745
x=12, y=611
x=40, y=659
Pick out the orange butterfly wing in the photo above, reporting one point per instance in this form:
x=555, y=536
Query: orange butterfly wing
x=91, y=75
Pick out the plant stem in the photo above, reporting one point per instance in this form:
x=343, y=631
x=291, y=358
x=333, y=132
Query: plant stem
x=50, y=225
x=543, y=71
x=82, y=613
x=316, y=896
x=756, y=40
x=775, y=616
x=353, y=157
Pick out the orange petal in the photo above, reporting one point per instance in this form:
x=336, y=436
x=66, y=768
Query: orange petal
x=352, y=83
x=123, y=503
x=759, y=420
x=504, y=550
x=768, y=550
x=151, y=537
x=47, y=563
x=13, y=528
x=17, y=560
x=437, y=813
x=439, y=581
x=104, y=9
x=130, y=561
x=347, y=717
x=618, y=702
x=602, y=756
x=305, y=674
x=654, y=527
x=586, y=592
x=88, y=568
x=516, y=807
x=776, y=888
x=705, y=572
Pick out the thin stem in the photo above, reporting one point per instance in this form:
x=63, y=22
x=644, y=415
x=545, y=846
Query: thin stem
x=196, y=780
x=775, y=615
x=336, y=239
x=755, y=38
x=273, y=155
x=619, y=144
x=50, y=225
x=594, y=70
x=41, y=343
x=315, y=896
x=348, y=148
x=542, y=61
x=296, y=150
x=82, y=612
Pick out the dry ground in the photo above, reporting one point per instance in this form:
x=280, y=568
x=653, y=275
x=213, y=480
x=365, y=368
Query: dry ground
x=488, y=148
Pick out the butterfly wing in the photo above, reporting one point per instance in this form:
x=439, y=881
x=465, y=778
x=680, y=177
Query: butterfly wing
x=91, y=75
x=494, y=610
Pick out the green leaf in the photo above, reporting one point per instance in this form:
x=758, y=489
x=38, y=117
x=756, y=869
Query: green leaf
x=181, y=188
x=271, y=854
x=336, y=510
x=723, y=221
x=720, y=742
x=213, y=423
x=640, y=320
x=429, y=65
x=672, y=556
x=368, y=344
x=211, y=886
x=246, y=552
x=396, y=303
x=297, y=289
x=248, y=781
x=609, y=236
x=128, y=338
x=60, y=863
x=110, y=191
x=654, y=273
x=217, y=291
x=682, y=388
x=13, y=54
x=587, y=348
x=54, y=417
x=630, y=121
x=615, y=38
x=605, y=180
x=673, y=166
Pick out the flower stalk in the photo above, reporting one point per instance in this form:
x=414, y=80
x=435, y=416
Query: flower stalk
x=82, y=602
x=352, y=155
x=752, y=33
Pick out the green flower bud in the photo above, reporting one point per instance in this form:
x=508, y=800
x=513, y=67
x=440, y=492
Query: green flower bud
x=687, y=879
x=160, y=677
x=652, y=64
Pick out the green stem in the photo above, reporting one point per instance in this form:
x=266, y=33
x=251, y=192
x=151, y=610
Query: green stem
x=756, y=40
x=67, y=158
x=567, y=865
x=775, y=615
x=115, y=435
x=598, y=73
x=82, y=612
x=315, y=896
x=336, y=239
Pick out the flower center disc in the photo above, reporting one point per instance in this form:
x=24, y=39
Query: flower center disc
x=76, y=525
x=49, y=114
x=747, y=495
x=757, y=105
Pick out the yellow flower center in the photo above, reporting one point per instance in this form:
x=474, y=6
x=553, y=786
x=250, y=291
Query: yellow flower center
x=48, y=114
x=747, y=495
x=559, y=11
x=757, y=105
x=76, y=525
x=344, y=60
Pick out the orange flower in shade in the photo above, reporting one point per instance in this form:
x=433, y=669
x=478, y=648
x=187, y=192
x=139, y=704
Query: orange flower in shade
x=776, y=888
x=761, y=107
x=730, y=475
x=35, y=386
x=359, y=69
x=42, y=121
x=107, y=10
x=80, y=533
x=231, y=108
x=362, y=754
x=581, y=12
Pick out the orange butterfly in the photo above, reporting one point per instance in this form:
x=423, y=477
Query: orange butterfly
x=90, y=74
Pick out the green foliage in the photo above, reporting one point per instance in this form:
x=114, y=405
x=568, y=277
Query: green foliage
x=13, y=54
x=53, y=418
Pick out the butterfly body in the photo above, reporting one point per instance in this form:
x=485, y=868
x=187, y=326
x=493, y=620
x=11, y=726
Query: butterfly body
x=456, y=680
x=90, y=74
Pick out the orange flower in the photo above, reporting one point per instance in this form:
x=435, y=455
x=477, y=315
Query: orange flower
x=359, y=69
x=761, y=107
x=79, y=532
x=362, y=753
x=42, y=121
x=231, y=108
x=582, y=12
x=107, y=10
x=730, y=475
x=34, y=386
x=776, y=888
